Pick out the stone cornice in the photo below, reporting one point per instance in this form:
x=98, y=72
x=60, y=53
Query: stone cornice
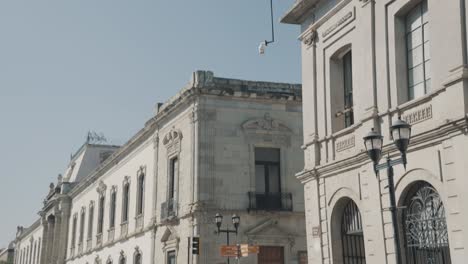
x=202, y=83
x=422, y=140
x=295, y=15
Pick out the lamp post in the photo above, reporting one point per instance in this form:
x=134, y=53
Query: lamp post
x=401, y=133
x=235, y=221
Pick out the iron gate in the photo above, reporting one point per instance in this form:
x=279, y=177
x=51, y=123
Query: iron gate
x=352, y=237
x=425, y=227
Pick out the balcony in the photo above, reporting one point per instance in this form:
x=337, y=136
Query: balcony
x=168, y=210
x=270, y=201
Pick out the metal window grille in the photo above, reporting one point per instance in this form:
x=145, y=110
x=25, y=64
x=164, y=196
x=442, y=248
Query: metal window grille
x=426, y=237
x=352, y=236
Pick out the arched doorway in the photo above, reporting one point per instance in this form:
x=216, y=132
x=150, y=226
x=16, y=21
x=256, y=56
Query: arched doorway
x=348, y=235
x=425, y=227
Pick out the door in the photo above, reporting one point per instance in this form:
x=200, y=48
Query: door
x=271, y=255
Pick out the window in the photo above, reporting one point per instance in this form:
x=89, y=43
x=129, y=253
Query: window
x=418, y=53
x=267, y=170
x=137, y=259
x=122, y=259
x=173, y=174
x=348, y=89
x=171, y=257
x=90, y=221
x=112, y=208
x=141, y=193
x=125, y=200
x=341, y=88
x=82, y=224
x=73, y=238
x=101, y=215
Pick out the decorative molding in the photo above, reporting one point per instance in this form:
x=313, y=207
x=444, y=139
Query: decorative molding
x=345, y=143
x=101, y=189
x=343, y=21
x=419, y=115
x=267, y=123
x=309, y=38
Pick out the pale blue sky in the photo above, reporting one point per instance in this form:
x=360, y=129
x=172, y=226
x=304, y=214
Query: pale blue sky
x=69, y=66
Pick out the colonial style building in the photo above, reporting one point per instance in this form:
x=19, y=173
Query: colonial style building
x=218, y=146
x=364, y=64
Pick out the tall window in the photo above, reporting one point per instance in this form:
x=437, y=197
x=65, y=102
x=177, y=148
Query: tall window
x=137, y=258
x=101, y=214
x=122, y=260
x=418, y=53
x=82, y=224
x=352, y=237
x=348, y=89
x=75, y=220
x=90, y=221
x=141, y=193
x=113, y=202
x=267, y=170
x=173, y=173
x=125, y=200
x=171, y=257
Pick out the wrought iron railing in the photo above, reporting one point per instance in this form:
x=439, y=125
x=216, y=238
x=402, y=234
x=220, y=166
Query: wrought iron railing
x=270, y=201
x=168, y=209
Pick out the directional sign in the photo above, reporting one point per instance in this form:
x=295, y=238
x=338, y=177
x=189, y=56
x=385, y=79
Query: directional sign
x=229, y=251
x=246, y=250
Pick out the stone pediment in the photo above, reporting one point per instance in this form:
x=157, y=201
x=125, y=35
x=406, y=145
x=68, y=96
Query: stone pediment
x=267, y=228
x=169, y=235
x=265, y=124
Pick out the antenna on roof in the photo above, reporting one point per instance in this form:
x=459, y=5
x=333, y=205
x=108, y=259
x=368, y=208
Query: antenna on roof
x=264, y=44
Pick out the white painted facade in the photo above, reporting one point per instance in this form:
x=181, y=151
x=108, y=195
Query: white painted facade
x=210, y=129
x=383, y=37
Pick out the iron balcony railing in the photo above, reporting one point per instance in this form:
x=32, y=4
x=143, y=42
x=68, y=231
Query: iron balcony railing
x=270, y=201
x=168, y=209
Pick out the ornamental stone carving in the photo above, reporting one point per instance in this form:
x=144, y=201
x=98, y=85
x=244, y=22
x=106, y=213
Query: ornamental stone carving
x=172, y=137
x=101, y=189
x=267, y=123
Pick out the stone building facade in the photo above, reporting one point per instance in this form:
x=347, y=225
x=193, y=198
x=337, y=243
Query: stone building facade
x=218, y=146
x=364, y=64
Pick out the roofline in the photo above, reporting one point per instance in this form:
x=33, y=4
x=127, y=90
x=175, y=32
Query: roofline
x=202, y=83
x=295, y=15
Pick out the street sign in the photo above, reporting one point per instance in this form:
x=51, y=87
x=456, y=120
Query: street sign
x=242, y=250
x=229, y=251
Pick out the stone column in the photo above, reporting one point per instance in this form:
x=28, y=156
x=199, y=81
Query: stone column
x=56, y=240
x=43, y=249
x=50, y=240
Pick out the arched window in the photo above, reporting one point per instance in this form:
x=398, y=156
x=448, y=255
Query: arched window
x=122, y=259
x=100, y=226
x=137, y=258
x=141, y=193
x=425, y=227
x=90, y=220
x=82, y=224
x=113, y=203
x=73, y=235
x=347, y=233
x=418, y=54
x=125, y=199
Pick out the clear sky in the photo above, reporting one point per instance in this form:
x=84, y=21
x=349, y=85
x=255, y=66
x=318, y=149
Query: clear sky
x=70, y=66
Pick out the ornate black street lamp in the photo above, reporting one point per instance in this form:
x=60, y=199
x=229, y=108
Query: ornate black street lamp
x=401, y=133
x=235, y=222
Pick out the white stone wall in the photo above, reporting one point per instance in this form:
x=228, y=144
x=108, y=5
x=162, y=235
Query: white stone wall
x=335, y=161
x=125, y=237
x=27, y=249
